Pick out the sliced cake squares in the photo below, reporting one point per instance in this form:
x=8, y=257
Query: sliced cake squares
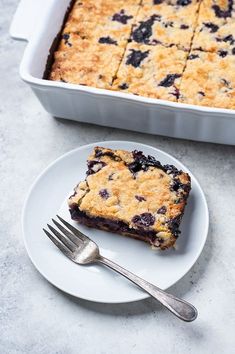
x=176, y=50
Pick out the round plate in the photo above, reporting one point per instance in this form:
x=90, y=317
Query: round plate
x=47, y=198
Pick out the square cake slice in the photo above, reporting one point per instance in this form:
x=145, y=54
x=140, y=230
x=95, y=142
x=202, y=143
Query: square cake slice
x=151, y=71
x=93, y=42
x=133, y=195
x=215, y=38
x=90, y=64
x=163, y=23
x=209, y=80
x=215, y=27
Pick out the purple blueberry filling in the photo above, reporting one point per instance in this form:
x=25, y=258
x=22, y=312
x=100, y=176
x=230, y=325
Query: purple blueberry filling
x=193, y=56
x=169, y=80
x=140, y=198
x=168, y=24
x=121, y=17
x=211, y=26
x=123, y=86
x=136, y=57
x=144, y=31
x=111, y=225
x=110, y=178
x=142, y=162
x=223, y=13
x=225, y=82
x=107, y=40
x=66, y=36
x=223, y=53
x=201, y=93
x=121, y=227
x=171, y=169
x=143, y=220
x=183, y=2
x=100, y=153
x=228, y=38
x=162, y=210
x=176, y=185
x=94, y=166
x=176, y=93
x=174, y=224
x=104, y=193
x=184, y=26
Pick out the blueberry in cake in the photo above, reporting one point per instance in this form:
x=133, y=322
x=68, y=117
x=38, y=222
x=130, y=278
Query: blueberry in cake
x=133, y=195
x=146, y=48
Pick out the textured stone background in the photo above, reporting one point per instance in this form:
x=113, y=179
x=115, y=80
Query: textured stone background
x=37, y=318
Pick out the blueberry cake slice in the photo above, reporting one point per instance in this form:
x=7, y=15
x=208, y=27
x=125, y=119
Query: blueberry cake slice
x=209, y=80
x=163, y=23
x=97, y=65
x=215, y=27
x=152, y=71
x=133, y=195
x=93, y=42
x=102, y=21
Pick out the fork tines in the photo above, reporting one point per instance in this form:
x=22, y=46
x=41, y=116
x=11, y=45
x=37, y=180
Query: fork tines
x=68, y=239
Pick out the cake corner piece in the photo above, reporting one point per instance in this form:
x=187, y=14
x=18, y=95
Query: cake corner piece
x=131, y=194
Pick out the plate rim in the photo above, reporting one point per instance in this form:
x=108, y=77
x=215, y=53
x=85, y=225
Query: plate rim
x=141, y=295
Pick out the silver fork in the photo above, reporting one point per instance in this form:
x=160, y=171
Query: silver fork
x=82, y=250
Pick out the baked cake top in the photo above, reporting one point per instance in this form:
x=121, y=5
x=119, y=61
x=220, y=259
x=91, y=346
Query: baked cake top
x=146, y=48
x=153, y=71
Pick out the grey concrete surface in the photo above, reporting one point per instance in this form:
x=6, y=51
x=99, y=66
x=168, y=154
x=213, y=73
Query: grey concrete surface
x=37, y=318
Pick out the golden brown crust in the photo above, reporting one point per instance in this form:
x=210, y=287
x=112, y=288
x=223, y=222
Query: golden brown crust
x=120, y=189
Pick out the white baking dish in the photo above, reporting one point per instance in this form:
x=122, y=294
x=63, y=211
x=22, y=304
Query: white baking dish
x=39, y=21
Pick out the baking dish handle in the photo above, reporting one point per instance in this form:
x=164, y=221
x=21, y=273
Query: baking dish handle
x=27, y=18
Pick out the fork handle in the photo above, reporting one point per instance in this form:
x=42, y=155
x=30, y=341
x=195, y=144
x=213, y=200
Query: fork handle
x=178, y=307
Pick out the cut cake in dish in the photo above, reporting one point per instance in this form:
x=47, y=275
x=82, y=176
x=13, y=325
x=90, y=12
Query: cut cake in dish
x=146, y=47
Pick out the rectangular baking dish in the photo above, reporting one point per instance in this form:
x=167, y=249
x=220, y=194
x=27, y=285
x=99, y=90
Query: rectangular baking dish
x=39, y=21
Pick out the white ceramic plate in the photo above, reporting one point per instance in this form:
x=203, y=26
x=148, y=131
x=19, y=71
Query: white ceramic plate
x=47, y=198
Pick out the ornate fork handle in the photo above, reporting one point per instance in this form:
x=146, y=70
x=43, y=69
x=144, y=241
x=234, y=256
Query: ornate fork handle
x=178, y=307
